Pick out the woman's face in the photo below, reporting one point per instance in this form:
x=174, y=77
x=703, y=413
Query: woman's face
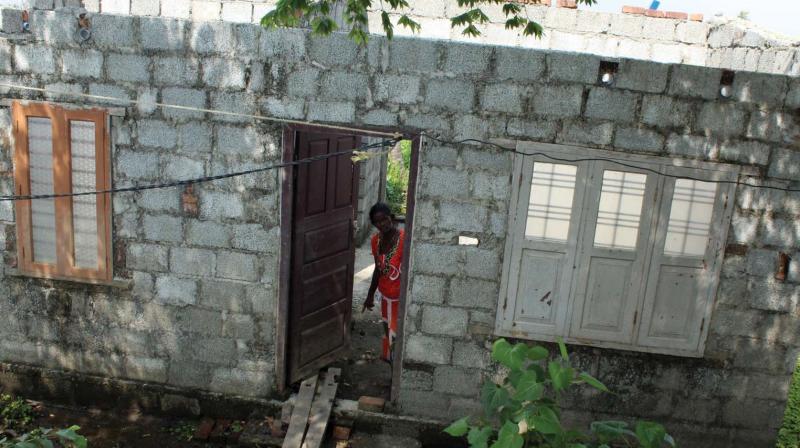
x=382, y=222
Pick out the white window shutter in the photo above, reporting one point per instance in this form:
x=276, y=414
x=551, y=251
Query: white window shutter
x=546, y=221
x=613, y=254
x=685, y=266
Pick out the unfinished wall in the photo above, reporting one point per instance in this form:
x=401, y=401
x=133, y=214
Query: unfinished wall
x=198, y=308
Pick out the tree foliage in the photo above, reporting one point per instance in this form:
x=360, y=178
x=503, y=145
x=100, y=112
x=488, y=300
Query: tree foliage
x=319, y=16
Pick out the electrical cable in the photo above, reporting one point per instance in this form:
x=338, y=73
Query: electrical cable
x=357, y=153
x=601, y=159
x=197, y=109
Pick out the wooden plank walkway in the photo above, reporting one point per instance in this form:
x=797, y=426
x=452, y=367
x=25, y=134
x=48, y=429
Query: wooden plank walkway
x=299, y=420
x=321, y=409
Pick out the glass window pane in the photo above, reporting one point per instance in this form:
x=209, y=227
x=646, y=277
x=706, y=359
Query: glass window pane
x=620, y=210
x=84, y=178
x=690, y=218
x=43, y=211
x=550, y=202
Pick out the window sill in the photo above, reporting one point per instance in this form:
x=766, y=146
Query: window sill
x=119, y=284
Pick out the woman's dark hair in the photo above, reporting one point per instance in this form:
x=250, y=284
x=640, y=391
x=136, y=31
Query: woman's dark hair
x=380, y=207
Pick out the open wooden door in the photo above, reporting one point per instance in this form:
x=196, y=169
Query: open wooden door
x=322, y=254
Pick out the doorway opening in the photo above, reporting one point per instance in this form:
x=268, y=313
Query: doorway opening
x=381, y=179
x=327, y=263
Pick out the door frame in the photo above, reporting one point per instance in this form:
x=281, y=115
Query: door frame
x=286, y=223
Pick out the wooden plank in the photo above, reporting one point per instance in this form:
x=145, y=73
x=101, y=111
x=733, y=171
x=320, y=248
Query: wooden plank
x=299, y=420
x=321, y=409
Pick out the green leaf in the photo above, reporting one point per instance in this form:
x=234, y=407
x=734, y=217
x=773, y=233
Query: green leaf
x=386, y=22
x=407, y=22
x=546, y=422
x=493, y=397
x=458, y=428
x=562, y=347
x=479, y=438
x=511, y=8
x=650, y=434
x=471, y=31
x=528, y=388
x=592, y=381
x=509, y=437
x=560, y=376
x=515, y=22
x=537, y=353
x=533, y=29
x=508, y=355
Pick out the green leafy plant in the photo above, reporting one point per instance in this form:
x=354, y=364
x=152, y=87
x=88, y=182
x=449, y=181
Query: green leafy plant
x=397, y=179
x=523, y=410
x=183, y=431
x=16, y=413
x=789, y=435
x=47, y=438
x=318, y=14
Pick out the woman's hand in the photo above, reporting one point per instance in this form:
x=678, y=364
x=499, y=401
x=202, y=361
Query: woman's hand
x=369, y=303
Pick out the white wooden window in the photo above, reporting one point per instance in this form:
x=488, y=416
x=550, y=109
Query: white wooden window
x=614, y=252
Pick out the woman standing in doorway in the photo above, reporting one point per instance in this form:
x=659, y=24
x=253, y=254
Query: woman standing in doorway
x=387, y=249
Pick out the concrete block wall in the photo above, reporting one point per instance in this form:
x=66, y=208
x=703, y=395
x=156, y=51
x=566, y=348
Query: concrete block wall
x=720, y=42
x=199, y=308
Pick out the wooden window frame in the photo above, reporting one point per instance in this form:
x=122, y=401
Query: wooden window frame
x=60, y=118
x=653, y=219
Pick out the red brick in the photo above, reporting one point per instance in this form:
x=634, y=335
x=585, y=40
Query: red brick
x=571, y=4
x=655, y=13
x=189, y=201
x=633, y=10
x=341, y=433
x=697, y=17
x=677, y=15
x=535, y=2
x=203, y=431
x=371, y=404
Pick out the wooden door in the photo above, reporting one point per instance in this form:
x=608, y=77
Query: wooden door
x=323, y=253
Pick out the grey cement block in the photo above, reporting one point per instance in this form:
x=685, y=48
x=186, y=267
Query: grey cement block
x=177, y=291
x=445, y=321
x=253, y=237
x=137, y=165
x=344, y=86
x=303, y=82
x=11, y=20
x=224, y=295
x=665, y=112
x=473, y=293
x=467, y=59
x=482, y=263
x=609, y=104
x=162, y=34
x=490, y=186
x=413, y=55
x=428, y=349
x=450, y=94
x=35, y=59
x=175, y=71
x=145, y=7
x=573, y=68
x=163, y=228
x=723, y=119
x=212, y=37
x=587, y=133
x=243, y=141
x=218, y=205
x=692, y=146
x=236, y=102
x=428, y=289
x=113, y=31
x=81, y=64
x=643, y=76
x=558, y=101
x=237, y=266
x=785, y=164
x=519, y=64
x=748, y=152
x=283, y=108
x=182, y=168
x=199, y=262
x=764, y=89
x=331, y=111
x=159, y=200
x=157, y=134
x=503, y=98
x=194, y=138
x=179, y=96
x=283, y=43
x=445, y=182
x=208, y=233
x=397, y=89
x=336, y=49
x=128, y=67
x=224, y=73
x=457, y=381
x=639, y=140
x=543, y=130
x=696, y=82
x=147, y=257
